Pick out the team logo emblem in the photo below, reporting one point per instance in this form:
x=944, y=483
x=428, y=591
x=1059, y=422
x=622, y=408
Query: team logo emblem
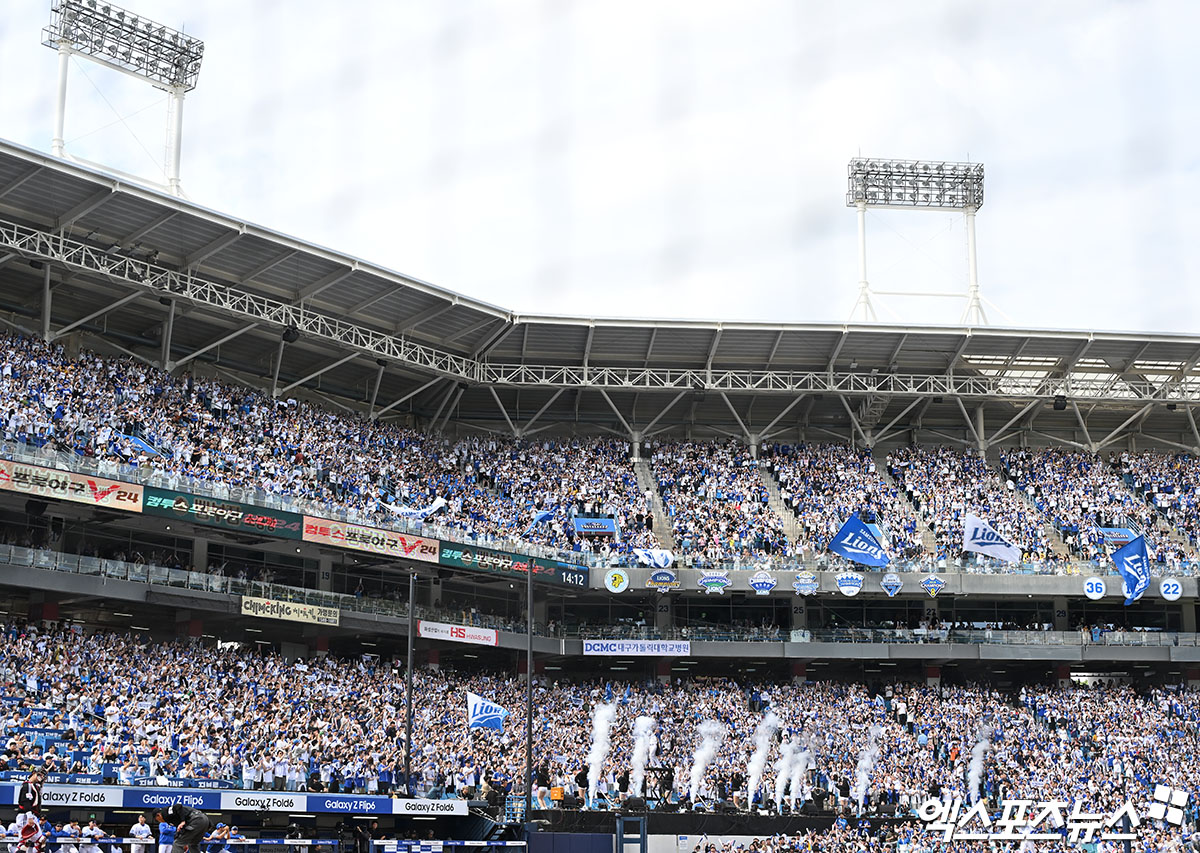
x=617, y=580
x=763, y=582
x=850, y=583
x=806, y=583
x=713, y=581
x=663, y=580
x=933, y=585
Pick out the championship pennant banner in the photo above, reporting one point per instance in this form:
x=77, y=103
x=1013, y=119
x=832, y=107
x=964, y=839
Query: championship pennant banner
x=344, y=534
x=458, y=633
x=69, y=486
x=148, y=799
x=290, y=611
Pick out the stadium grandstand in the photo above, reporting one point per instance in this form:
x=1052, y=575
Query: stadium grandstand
x=270, y=514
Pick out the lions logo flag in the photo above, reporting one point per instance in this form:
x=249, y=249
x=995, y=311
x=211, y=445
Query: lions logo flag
x=1133, y=564
x=856, y=542
x=482, y=714
x=656, y=557
x=981, y=537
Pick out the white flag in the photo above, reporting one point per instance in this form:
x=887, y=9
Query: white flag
x=981, y=537
x=654, y=557
x=413, y=512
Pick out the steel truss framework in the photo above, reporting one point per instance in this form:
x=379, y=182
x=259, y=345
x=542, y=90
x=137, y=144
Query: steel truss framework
x=186, y=286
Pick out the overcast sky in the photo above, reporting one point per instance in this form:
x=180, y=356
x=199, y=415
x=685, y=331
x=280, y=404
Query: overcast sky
x=680, y=159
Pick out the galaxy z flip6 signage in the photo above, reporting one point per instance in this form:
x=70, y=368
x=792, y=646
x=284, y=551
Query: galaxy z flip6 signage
x=149, y=799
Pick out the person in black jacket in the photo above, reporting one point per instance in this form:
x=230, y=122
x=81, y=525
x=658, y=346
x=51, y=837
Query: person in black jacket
x=192, y=825
x=29, y=811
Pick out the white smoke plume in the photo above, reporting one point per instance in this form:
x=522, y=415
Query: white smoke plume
x=866, y=763
x=978, y=754
x=643, y=734
x=783, y=769
x=801, y=765
x=602, y=720
x=712, y=734
x=763, y=734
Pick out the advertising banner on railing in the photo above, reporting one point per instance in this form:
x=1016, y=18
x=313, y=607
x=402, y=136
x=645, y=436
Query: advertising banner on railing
x=214, y=512
x=505, y=563
x=344, y=534
x=69, y=486
x=149, y=799
x=458, y=633
x=643, y=648
x=290, y=611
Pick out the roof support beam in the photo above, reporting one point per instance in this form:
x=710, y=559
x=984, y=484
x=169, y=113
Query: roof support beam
x=899, y=346
x=1058, y=439
x=168, y=329
x=881, y=434
x=275, y=371
x=494, y=341
x=413, y=321
x=774, y=347
x=446, y=399
x=542, y=411
x=112, y=306
x=318, y=372
x=646, y=429
x=948, y=437
x=736, y=416
x=970, y=423
x=628, y=429
x=375, y=389
x=587, y=346
x=1116, y=433
x=214, y=344
x=408, y=396
x=837, y=349
x=82, y=209
x=17, y=181
x=1024, y=411
x=459, y=389
x=650, y=346
x=1087, y=436
x=1166, y=441
x=962, y=347
x=854, y=421
x=1069, y=363
x=503, y=411
x=133, y=236
x=766, y=431
x=470, y=330
x=324, y=283
x=271, y=264
x=205, y=252
x=1187, y=410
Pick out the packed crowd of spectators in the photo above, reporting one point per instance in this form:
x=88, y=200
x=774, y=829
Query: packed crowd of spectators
x=946, y=484
x=1082, y=493
x=717, y=502
x=824, y=484
x=130, y=414
x=1169, y=481
x=328, y=724
x=200, y=434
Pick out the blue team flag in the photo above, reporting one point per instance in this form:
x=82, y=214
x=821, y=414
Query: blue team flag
x=539, y=517
x=1133, y=564
x=856, y=542
x=482, y=714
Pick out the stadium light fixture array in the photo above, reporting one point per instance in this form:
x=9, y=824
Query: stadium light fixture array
x=915, y=183
x=126, y=42
x=133, y=45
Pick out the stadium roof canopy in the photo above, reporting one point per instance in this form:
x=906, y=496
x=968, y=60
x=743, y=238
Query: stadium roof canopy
x=131, y=270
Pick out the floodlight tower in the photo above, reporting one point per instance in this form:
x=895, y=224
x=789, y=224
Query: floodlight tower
x=921, y=185
x=145, y=50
